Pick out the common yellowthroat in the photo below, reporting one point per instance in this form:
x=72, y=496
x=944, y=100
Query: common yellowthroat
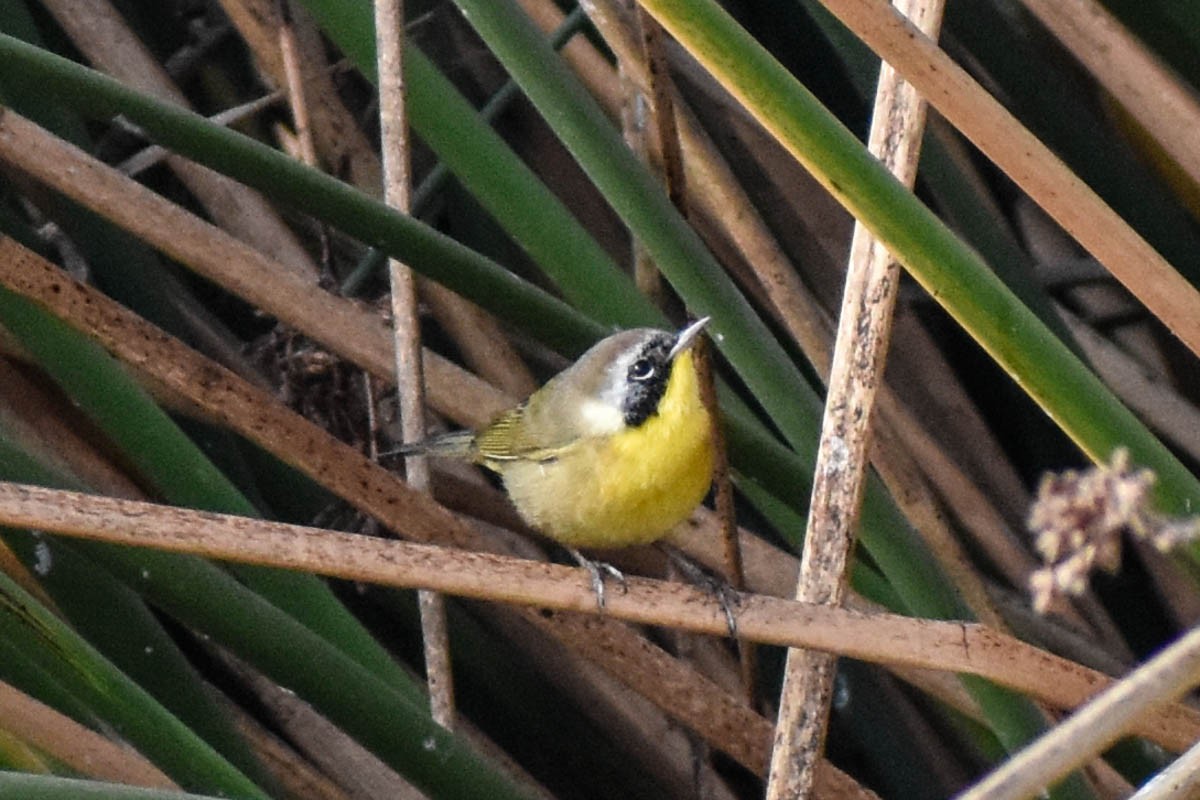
x=615, y=450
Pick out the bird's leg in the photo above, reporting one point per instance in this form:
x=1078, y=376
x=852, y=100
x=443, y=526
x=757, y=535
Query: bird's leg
x=598, y=569
x=718, y=587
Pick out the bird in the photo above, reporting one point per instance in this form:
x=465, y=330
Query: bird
x=614, y=451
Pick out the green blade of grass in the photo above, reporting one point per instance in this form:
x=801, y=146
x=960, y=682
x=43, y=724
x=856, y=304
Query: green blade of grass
x=24, y=672
x=157, y=734
x=118, y=623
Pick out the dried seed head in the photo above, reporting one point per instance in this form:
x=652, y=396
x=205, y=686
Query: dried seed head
x=1077, y=520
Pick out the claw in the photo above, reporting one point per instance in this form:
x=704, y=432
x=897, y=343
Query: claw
x=719, y=588
x=598, y=569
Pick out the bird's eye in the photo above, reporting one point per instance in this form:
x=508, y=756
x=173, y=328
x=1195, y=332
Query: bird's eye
x=641, y=370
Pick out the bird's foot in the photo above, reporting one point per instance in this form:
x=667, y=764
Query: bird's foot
x=718, y=587
x=598, y=570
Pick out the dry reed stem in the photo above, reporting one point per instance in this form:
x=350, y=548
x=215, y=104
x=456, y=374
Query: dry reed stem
x=661, y=97
x=635, y=134
x=876, y=637
x=324, y=745
x=345, y=327
x=684, y=151
x=343, y=146
x=680, y=691
x=643, y=139
x=295, y=777
x=485, y=347
x=864, y=330
x=591, y=67
x=406, y=328
x=952, y=415
x=1149, y=90
x=292, y=773
x=152, y=155
x=67, y=741
x=1180, y=779
x=657, y=99
x=101, y=34
x=1149, y=395
x=289, y=50
x=970, y=504
x=654, y=743
x=1095, y=726
x=772, y=571
x=42, y=423
x=339, y=141
x=479, y=336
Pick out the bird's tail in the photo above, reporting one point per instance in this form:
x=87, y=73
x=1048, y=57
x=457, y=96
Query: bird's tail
x=455, y=444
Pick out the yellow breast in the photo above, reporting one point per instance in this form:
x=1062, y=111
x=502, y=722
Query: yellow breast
x=628, y=488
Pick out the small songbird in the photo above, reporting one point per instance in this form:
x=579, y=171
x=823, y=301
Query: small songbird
x=613, y=451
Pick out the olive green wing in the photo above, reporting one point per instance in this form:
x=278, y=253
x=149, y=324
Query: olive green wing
x=508, y=439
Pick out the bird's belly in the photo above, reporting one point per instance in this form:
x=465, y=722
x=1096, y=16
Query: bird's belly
x=617, y=491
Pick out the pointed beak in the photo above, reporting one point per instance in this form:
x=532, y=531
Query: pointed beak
x=687, y=336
